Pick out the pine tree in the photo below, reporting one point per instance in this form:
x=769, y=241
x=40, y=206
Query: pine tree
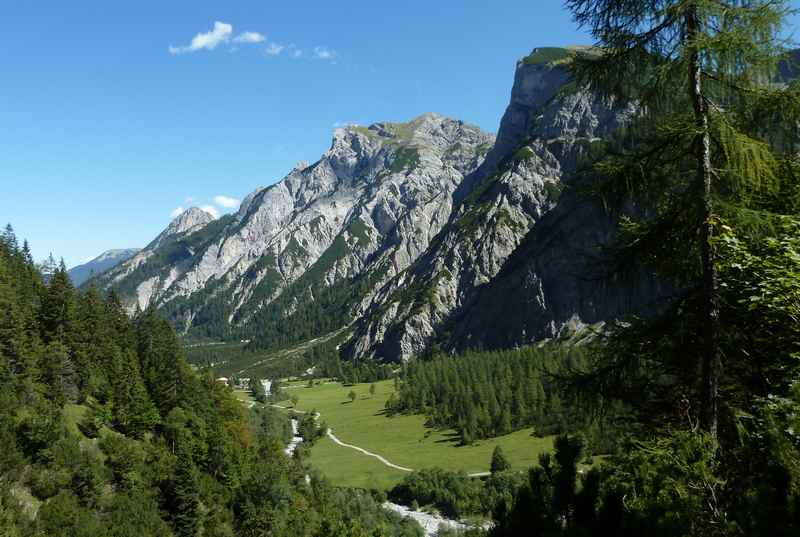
x=690, y=66
x=185, y=495
x=499, y=461
x=162, y=365
x=54, y=361
x=10, y=238
x=58, y=308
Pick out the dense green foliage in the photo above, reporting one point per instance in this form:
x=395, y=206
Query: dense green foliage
x=316, y=307
x=487, y=394
x=455, y=494
x=106, y=431
x=708, y=149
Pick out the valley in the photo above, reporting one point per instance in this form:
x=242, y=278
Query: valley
x=581, y=320
x=402, y=440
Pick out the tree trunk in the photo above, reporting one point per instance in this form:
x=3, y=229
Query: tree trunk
x=710, y=317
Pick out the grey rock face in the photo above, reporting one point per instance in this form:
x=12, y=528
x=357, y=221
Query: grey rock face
x=370, y=205
x=188, y=221
x=507, y=269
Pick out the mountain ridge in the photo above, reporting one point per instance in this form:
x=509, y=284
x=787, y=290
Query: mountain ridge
x=418, y=235
x=370, y=205
x=103, y=262
x=548, y=126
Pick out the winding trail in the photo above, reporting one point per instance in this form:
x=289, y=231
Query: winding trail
x=363, y=451
x=368, y=453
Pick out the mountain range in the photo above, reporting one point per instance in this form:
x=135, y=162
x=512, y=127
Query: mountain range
x=408, y=236
x=108, y=259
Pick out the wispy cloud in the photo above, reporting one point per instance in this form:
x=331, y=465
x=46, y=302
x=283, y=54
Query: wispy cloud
x=177, y=211
x=294, y=51
x=324, y=53
x=226, y=202
x=210, y=209
x=222, y=33
x=274, y=49
x=249, y=37
x=206, y=41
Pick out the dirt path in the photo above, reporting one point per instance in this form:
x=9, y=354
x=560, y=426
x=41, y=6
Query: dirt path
x=368, y=453
x=385, y=461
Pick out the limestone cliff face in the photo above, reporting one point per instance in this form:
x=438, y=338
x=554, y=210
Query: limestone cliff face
x=370, y=205
x=508, y=267
x=413, y=234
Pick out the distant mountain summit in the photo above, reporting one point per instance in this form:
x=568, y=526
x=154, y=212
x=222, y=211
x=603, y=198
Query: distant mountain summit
x=189, y=220
x=107, y=260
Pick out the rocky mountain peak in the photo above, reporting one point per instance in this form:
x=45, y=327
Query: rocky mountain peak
x=512, y=202
x=116, y=253
x=191, y=219
x=429, y=130
x=366, y=209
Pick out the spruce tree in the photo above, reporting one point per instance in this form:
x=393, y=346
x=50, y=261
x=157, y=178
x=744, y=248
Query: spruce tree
x=185, y=494
x=499, y=461
x=59, y=308
x=692, y=67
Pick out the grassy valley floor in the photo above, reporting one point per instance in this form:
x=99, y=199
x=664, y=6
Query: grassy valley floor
x=403, y=440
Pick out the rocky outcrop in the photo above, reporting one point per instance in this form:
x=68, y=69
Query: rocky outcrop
x=509, y=267
x=186, y=222
x=367, y=209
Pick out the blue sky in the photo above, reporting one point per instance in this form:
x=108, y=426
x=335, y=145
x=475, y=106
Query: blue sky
x=105, y=131
x=114, y=114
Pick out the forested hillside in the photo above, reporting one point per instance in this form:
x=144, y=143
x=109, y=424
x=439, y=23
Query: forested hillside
x=488, y=394
x=106, y=431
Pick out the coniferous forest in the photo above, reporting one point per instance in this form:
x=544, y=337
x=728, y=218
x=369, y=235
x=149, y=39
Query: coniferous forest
x=488, y=394
x=106, y=431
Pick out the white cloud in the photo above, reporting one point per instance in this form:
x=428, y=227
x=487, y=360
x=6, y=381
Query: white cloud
x=341, y=124
x=226, y=202
x=249, y=37
x=210, y=209
x=294, y=51
x=176, y=211
x=220, y=34
x=223, y=33
x=273, y=49
x=324, y=53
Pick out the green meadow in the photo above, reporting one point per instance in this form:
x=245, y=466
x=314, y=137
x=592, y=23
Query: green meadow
x=403, y=440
